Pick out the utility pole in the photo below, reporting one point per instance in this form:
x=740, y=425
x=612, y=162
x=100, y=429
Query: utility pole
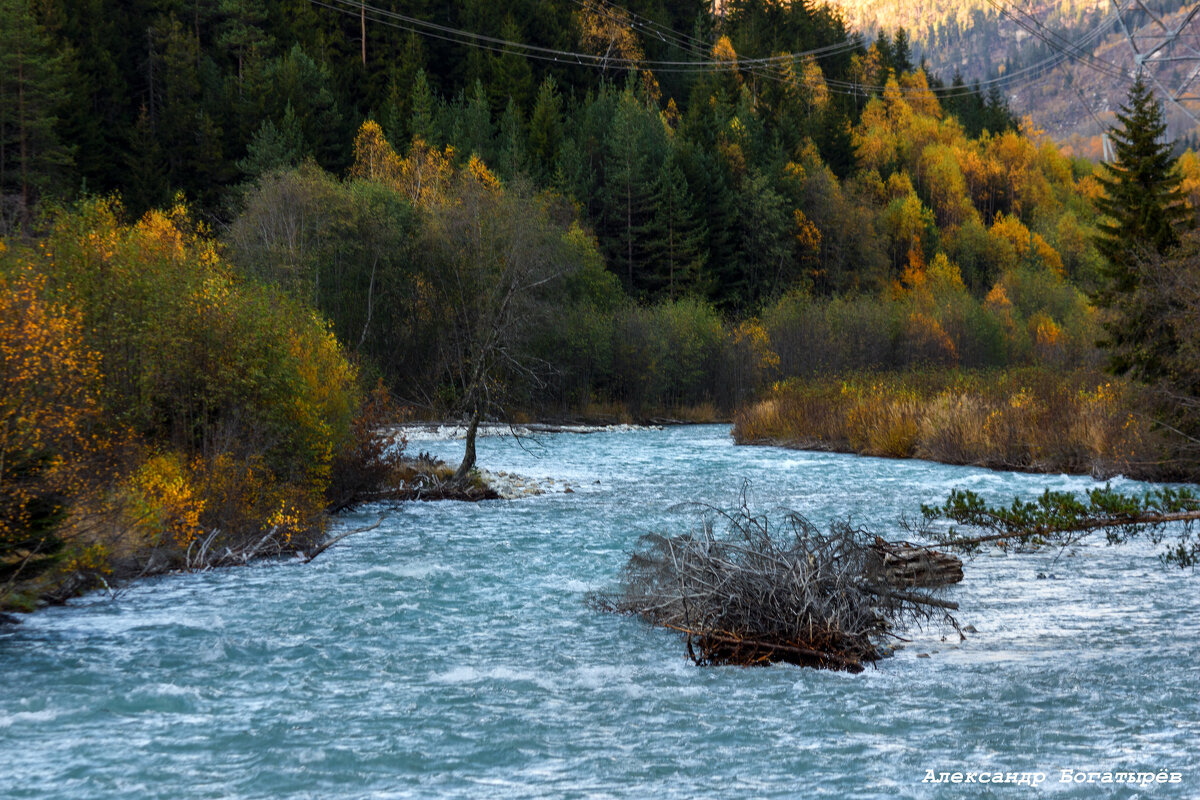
x=363, y=19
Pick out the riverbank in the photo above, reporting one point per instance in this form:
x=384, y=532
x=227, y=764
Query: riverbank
x=118, y=553
x=1031, y=420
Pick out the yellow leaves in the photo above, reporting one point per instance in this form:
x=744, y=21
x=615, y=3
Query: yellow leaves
x=752, y=336
x=50, y=379
x=918, y=95
x=1026, y=244
x=422, y=174
x=425, y=173
x=913, y=276
x=808, y=236
x=1030, y=129
x=812, y=79
x=48, y=402
x=670, y=116
x=1090, y=188
x=94, y=558
x=944, y=275
x=927, y=334
x=1048, y=337
x=723, y=51
x=997, y=300
x=874, y=139
x=164, y=501
x=607, y=31
x=1189, y=168
x=374, y=158
x=731, y=148
x=898, y=184
x=898, y=109
x=485, y=177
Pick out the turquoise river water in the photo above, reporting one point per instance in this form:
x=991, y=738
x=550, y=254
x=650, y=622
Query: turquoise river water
x=450, y=653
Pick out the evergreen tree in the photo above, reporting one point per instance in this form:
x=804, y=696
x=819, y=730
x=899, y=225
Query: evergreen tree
x=274, y=147
x=1144, y=207
x=511, y=75
x=511, y=160
x=901, y=53
x=146, y=185
x=33, y=89
x=241, y=29
x=628, y=176
x=181, y=107
x=475, y=132
x=545, y=128
x=675, y=235
x=421, y=103
x=308, y=87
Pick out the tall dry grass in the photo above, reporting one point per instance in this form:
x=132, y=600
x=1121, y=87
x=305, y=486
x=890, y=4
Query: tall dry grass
x=1031, y=419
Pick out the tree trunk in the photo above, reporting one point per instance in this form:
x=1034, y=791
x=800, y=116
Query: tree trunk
x=906, y=565
x=468, y=462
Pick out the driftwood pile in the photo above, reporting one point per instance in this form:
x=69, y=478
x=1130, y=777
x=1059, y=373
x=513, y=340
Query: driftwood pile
x=755, y=591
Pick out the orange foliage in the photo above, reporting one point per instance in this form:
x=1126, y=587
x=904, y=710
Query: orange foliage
x=49, y=407
x=1025, y=243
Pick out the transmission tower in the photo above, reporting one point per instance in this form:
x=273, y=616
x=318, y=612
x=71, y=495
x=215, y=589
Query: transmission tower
x=1166, y=47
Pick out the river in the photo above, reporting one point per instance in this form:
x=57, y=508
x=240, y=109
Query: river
x=450, y=653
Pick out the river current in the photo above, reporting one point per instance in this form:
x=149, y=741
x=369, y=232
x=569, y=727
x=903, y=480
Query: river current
x=450, y=653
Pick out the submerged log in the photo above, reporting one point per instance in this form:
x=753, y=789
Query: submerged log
x=908, y=565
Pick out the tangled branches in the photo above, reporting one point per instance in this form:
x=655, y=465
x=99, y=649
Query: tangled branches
x=754, y=592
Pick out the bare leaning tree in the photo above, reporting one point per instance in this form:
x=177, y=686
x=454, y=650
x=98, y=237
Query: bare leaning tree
x=497, y=264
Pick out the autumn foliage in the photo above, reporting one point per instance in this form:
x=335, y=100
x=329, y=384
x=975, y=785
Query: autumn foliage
x=154, y=399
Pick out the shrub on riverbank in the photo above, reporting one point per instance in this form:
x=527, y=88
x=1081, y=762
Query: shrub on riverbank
x=207, y=409
x=1026, y=419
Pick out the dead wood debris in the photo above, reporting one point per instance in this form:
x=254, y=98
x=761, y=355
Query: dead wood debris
x=747, y=591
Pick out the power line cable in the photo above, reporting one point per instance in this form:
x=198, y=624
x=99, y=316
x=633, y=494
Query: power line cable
x=565, y=57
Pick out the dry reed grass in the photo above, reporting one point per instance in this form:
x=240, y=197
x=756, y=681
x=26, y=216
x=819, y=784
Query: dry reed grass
x=1030, y=419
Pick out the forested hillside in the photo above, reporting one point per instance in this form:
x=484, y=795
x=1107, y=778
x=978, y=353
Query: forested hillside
x=241, y=225
x=1065, y=64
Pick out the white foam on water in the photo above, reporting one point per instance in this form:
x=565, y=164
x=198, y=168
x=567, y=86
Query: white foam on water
x=18, y=717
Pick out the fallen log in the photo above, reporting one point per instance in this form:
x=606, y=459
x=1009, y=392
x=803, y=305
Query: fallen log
x=909, y=565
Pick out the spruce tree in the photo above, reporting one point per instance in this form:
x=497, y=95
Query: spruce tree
x=675, y=234
x=1143, y=204
x=33, y=90
x=545, y=128
x=421, y=119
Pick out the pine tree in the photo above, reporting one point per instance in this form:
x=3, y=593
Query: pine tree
x=241, y=29
x=901, y=53
x=511, y=74
x=1144, y=207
